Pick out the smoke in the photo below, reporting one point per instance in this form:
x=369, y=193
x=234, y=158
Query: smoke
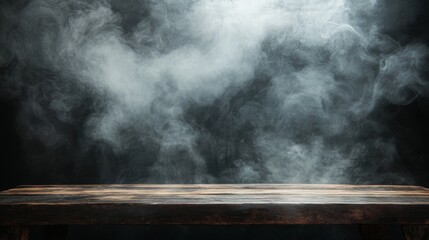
x=211, y=91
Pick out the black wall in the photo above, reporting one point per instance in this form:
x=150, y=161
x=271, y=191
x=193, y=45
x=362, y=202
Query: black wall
x=20, y=161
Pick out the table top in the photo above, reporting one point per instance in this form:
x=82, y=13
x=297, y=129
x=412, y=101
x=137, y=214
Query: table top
x=214, y=204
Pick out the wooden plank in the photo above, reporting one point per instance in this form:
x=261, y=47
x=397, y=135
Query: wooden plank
x=214, y=204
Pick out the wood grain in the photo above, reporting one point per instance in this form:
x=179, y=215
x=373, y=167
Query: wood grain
x=214, y=204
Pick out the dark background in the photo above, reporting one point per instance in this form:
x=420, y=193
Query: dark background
x=409, y=124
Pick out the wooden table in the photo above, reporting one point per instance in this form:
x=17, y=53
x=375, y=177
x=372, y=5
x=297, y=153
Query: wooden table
x=369, y=206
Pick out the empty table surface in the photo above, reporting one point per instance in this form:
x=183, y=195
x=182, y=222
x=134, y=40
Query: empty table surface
x=214, y=204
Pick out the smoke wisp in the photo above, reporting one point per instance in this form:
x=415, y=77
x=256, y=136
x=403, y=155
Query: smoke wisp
x=211, y=91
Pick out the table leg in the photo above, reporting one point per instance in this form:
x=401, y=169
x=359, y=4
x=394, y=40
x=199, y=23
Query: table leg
x=13, y=233
x=373, y=232
x=416, y=232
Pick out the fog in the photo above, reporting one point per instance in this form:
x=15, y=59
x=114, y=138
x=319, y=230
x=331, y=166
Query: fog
x=211, y=91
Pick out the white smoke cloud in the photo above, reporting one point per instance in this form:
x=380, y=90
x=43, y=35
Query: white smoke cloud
x=183, y=81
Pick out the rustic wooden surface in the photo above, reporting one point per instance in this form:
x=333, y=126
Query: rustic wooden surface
x=214, y=204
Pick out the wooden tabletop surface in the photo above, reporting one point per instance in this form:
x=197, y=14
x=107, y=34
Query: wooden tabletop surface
x=214, y=204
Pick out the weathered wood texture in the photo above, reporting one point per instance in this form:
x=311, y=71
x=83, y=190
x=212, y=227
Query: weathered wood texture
x=214, y=204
